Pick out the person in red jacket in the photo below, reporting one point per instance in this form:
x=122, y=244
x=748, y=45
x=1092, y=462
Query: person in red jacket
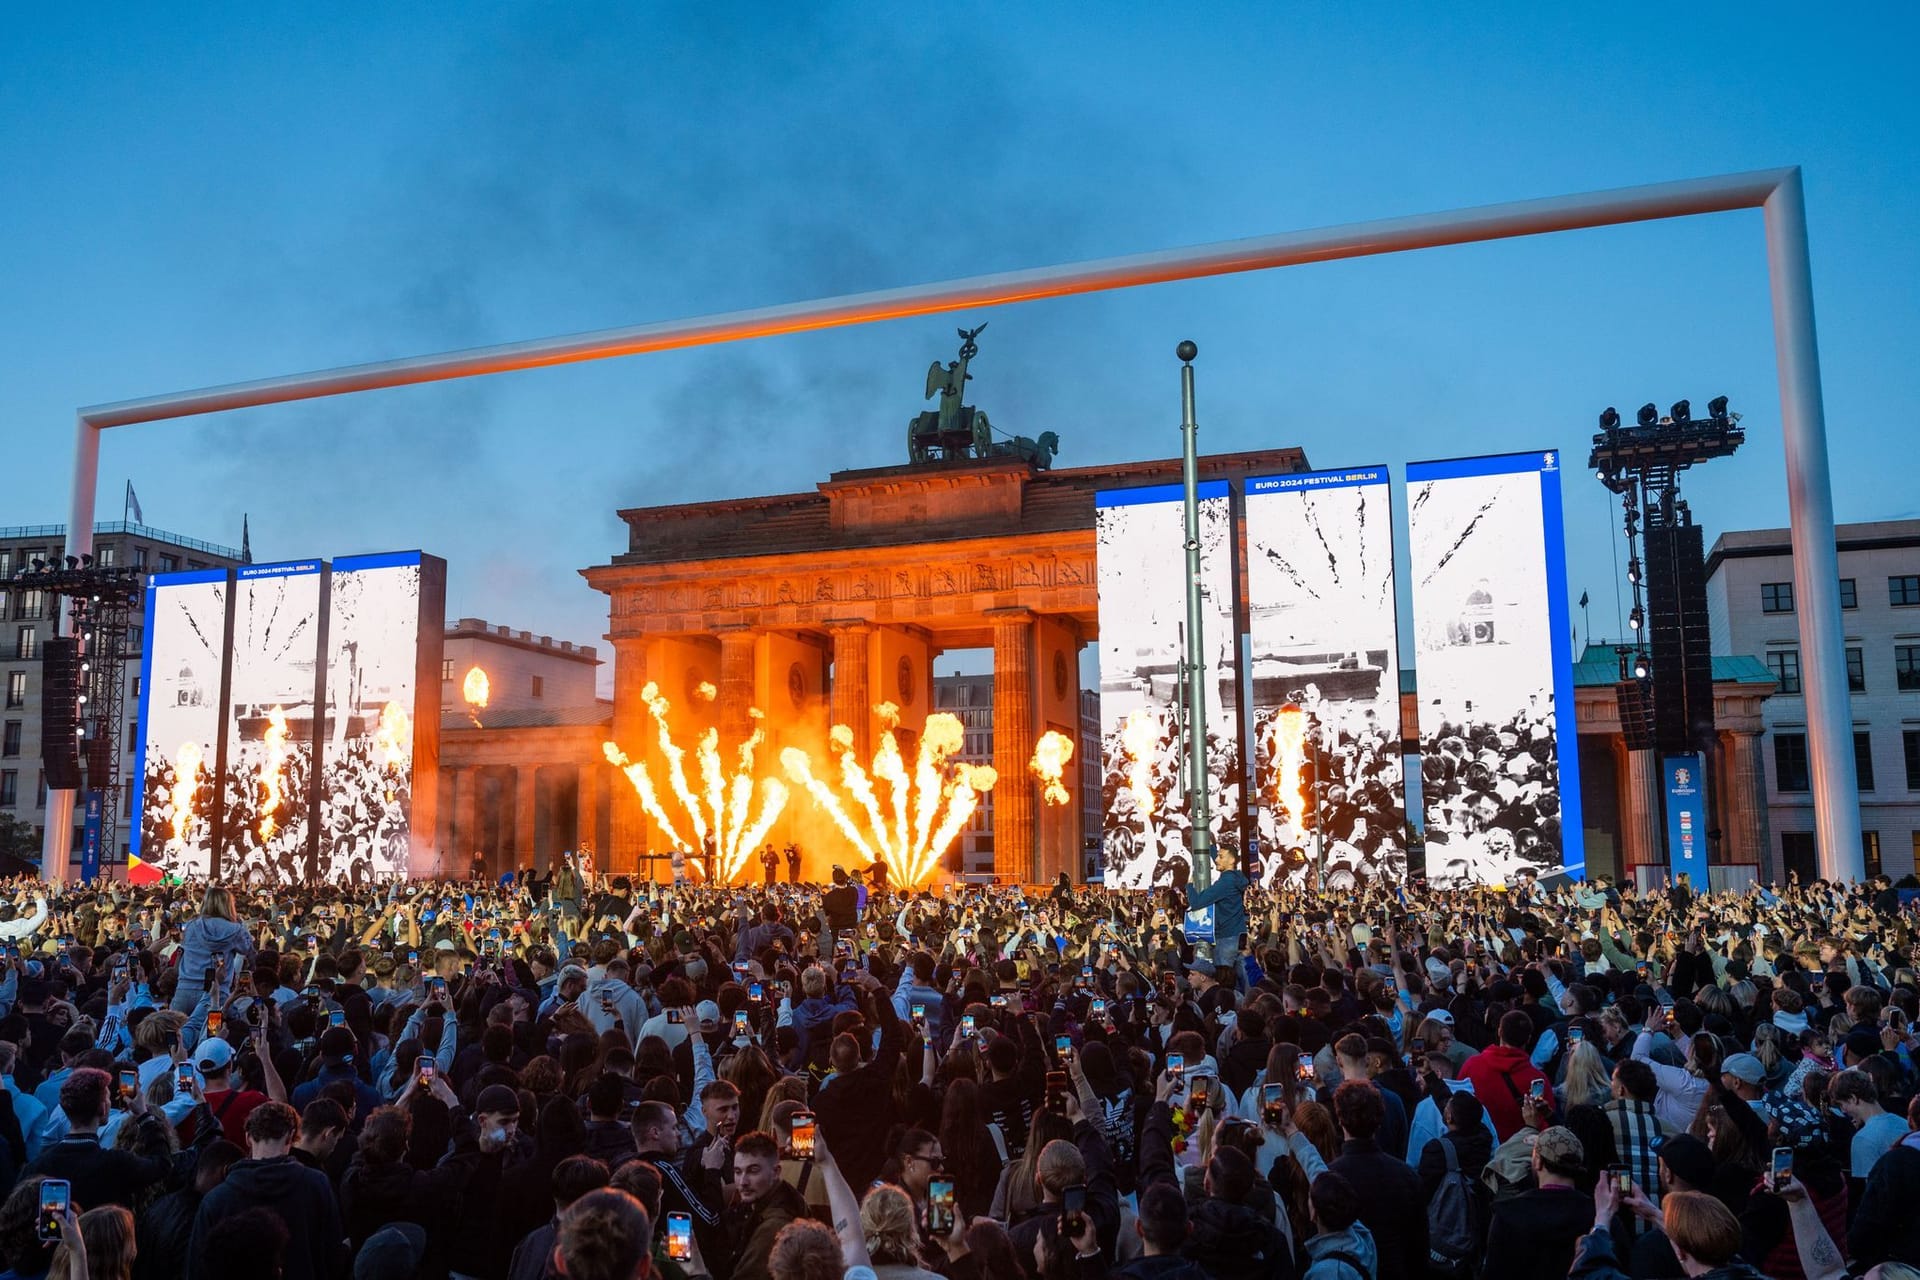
x=1502, y=1074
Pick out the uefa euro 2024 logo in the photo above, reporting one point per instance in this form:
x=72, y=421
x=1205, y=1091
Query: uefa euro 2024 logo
x=1681, y=777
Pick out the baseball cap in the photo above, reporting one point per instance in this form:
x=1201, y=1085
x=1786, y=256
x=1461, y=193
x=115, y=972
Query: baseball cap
x=1441, y=1016
x=1862, y=1043
x=391, y=1253
x=1687, y=1158
x=709, y=1014
x=445, y=944
x=213, y=1054
x=497, y=1100
x=1560, y=1150
x=1745, y=1068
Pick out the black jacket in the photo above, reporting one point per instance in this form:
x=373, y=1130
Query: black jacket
x=164, y=1230
x=1160, y=1267
x=1534, y=1233
x=300, y=1197
x=100, y=1175
x=375, y=1194
x=1229, y=1241
x=750, y=1232
x=1885, y=1229
x=480, y=1245
x=1390, y=1205
x=842, y=905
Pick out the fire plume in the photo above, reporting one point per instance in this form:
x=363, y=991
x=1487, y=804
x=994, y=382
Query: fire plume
x=721, y=816
x=276, y=744
x=1141, y=737
x=186, y=780
x=927, y=803
x=394, y=738
x=1289, y=755
x=476, y=689
x=1049, y=764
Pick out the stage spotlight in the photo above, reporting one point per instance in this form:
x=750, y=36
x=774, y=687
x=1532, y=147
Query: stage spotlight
x=1717, y=408
x=1639, y=668
x=73, y=562
x=1649, y=415
x=1635, y=618
x=1682, y=413
x=1633, y=571
x=1609, y=418
x=86, y=561
x=39, y=565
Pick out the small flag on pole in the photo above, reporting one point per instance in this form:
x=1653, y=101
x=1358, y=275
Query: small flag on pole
x=133, y=505
x=246, y=542
x=1583, y=599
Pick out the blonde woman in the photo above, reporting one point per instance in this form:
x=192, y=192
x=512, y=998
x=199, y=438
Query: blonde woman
x=1588, y=1080
x=108, y=1252
x=213, y=938
x=892, y=1230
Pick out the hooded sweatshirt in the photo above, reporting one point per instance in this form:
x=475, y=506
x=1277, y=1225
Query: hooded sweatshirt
x=301, y=1197
x=610, y=1000
x=1330, y=1256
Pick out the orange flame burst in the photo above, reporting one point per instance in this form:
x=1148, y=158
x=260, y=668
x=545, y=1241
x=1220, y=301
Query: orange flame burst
x=1290, y=755
x=926, y=805
x=722, y=814
x=186, y=780
x=276, y=743
x=476, y=688
x=1141, y=737
x=1049, y=764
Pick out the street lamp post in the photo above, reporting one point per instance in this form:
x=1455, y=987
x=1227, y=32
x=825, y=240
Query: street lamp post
x=1193, y=664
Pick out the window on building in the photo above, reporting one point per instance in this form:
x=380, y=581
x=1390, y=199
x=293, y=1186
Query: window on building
x=32, y=604
x=6, y=562
x=539, y=687
x=1870, y=852
x=40, y=791
x=446, y=668
x=10, y=739
x=1904, y=589
x=1906, y=667
x=1790, y=762
x=9, y=788
x=106, y=557
x=133, y=735
x=1856, y=671
x=136, y=639
x=126, y=802
x=1910, y=743
x=1776, y=597
x=25, y=644
x=168, y=563
x=134, y=692
x=1849, y=594
x=1863, y=758
x=139, y=557
x=1785, y=665
x=1797, y=853
x=16, y=688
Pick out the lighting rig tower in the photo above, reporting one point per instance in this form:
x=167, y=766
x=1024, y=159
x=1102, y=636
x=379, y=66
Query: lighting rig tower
x=83, y=674
x=1668, y=661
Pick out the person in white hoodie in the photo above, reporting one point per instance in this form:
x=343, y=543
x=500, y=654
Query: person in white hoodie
x=25, y=926
x=612, y=1002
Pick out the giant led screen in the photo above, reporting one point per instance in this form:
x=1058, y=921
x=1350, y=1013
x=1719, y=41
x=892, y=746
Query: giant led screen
x=178, y=798
x=385, y=611
x=271, y=687
x=1143, y=618
x=1325, y=676
x=1500, y=781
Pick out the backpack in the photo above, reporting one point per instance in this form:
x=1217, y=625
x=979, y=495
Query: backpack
x=1452, y=1234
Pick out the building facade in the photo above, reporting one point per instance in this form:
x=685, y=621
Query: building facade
x=970, y=697
x=524, y=672
x=1750, y=600
x=28, y=619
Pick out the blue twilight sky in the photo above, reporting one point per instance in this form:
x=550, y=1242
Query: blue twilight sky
x=206, y=194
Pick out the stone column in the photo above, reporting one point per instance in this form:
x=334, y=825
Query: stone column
x=736, y=686
x=526, y=799
x=1013, y=807
x=458, y=856
x=1747, y=836
x=852, y=699
x=631, y=725
x=443, y=819
x=586, y=826
x=1646, y=841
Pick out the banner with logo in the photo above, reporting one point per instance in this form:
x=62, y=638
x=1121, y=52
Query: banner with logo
x=1687, y=817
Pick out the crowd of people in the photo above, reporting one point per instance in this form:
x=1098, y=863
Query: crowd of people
x=603, y=1079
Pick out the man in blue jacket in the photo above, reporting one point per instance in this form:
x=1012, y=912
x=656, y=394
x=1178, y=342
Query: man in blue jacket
x=1227, y=895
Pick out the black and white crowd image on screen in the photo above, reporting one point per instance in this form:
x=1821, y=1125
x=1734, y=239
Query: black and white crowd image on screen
x=1489, y=764
x=366, y=782
x=270, y=715
x=1142, y=583
x=186, y=637
x=1325, y=677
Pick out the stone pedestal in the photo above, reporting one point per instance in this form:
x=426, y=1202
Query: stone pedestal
x=1013, y=799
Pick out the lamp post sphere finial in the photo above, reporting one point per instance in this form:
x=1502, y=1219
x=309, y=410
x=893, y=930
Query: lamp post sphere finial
x=1186, y=351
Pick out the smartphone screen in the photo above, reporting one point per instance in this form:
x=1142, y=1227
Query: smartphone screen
x=129, y=1081
x=1063, y=1045
x=940, y=1206
x=1538, y=1089
x=966, y=1027
x=1073, y=1201
x=756, y=993
x=1575, y=1035
x=1303, y=1067
x=1418, y=1046
x=680, y=1237
x=337, y=1017
x=1098, y=1007
x=997, y=1001
x=674, y=1018
x=1781, y=1167
x=427, y=1067
x=1621, y=1178
x=919, y=1012
x=1176, y=1065
x=215, y=1018
x=56, y=1197
x=1057, y=1092
x=740, y=1025
x=801, y=1126
x=1273, y=1103
x=1199, y=1091
x=183, y=1077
